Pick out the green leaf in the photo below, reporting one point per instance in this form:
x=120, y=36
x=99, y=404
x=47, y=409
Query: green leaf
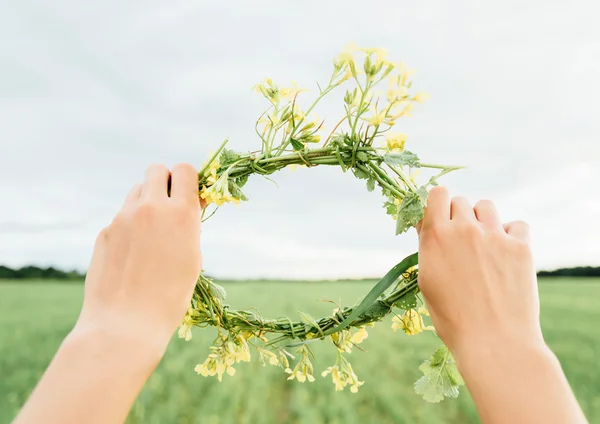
x=411, y=210
x=227, y=157
x=402, y=159
x=381, y=286
x=433, y=181
x=310, y=321
x=241, y=181
x=408, y=301
x=378, y=309
x=390, y=208
x=236, y=191
x=371, y=184
x=297, y=145
x=362, y=156
x=441, y=378
x=217, y=291
x=360, y=174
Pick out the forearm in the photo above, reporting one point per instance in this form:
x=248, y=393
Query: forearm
x=94, y=378
x=519, y=384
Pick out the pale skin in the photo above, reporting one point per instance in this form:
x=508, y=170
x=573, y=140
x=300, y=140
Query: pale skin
x=476, y=275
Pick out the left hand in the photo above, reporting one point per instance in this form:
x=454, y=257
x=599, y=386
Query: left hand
x=147, y=261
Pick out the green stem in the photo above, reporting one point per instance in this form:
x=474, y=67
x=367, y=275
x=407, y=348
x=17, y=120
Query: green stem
x=212, y=158
x=381, y=181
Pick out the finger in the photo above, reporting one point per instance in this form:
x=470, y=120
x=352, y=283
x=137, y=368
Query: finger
x=156, y=182
x=418, y=227
x=487, y=214
x=519, y=230
x=438, y=206
x=132, y=197
x=461, y=209
x=184, y=183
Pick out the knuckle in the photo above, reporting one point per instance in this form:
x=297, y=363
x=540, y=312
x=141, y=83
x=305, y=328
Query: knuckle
x=119, y=221
x=184, y=209
x=470, y=230
x=102, y=236
x=145, y=211
x=522, y=248
x=185, y=168
x=434, y=231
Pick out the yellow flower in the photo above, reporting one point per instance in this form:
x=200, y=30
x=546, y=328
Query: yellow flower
x=303, y=370
x=335, y=376
x=396, y=91
x=422, y=309
x=267, y=356
x=396, y=141
x=377, y=118
x=342, y=375
x=218, y=193
x=421, y=97
x=268, y=89
x=413, y=176
x=411, y=323
x=342, y=340
x=185, y=330
x=406, y=111
x=360, y=336
x=290, y=93
x=301, y=373
x=347, y=55
x=380, y=53
x=283, y=359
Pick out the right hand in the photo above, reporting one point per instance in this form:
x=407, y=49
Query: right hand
x=477, y=276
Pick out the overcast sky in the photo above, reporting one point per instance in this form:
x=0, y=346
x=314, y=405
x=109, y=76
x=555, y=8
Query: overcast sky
x=93, y=92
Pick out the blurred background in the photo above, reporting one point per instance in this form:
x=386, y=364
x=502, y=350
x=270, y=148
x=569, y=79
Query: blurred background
x=93, y=92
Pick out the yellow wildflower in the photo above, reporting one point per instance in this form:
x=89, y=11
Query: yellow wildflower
x=218, y=193
x=413, y=176
x=395, y=91
x=396, y=141
x=267, y=356
x=215, y=365
x=303, y=370
x=342, y=375
x=377, y=118
x=360, y=336
x=342, y=340
x=335, y=376
x=346, y=56
x=422, y=309
x=406, y=111
x=283, y=359
x=290, y=93
x=411, y=323
x=421, y=97
x=380, y=53
x=185, y=330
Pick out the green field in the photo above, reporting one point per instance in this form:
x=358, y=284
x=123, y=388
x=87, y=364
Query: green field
x=34, y=317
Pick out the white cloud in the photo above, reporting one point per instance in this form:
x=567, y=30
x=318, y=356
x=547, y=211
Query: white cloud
x=92, y=93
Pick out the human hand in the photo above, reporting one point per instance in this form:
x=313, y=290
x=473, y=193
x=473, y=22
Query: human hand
x=477, y=276
x=146, y=262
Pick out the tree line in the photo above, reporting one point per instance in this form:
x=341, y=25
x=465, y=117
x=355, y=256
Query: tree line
x=32, y=272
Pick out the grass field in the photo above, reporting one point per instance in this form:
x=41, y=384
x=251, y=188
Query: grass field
x=34, y=317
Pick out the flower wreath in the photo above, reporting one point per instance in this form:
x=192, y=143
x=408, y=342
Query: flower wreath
x=286, y=132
